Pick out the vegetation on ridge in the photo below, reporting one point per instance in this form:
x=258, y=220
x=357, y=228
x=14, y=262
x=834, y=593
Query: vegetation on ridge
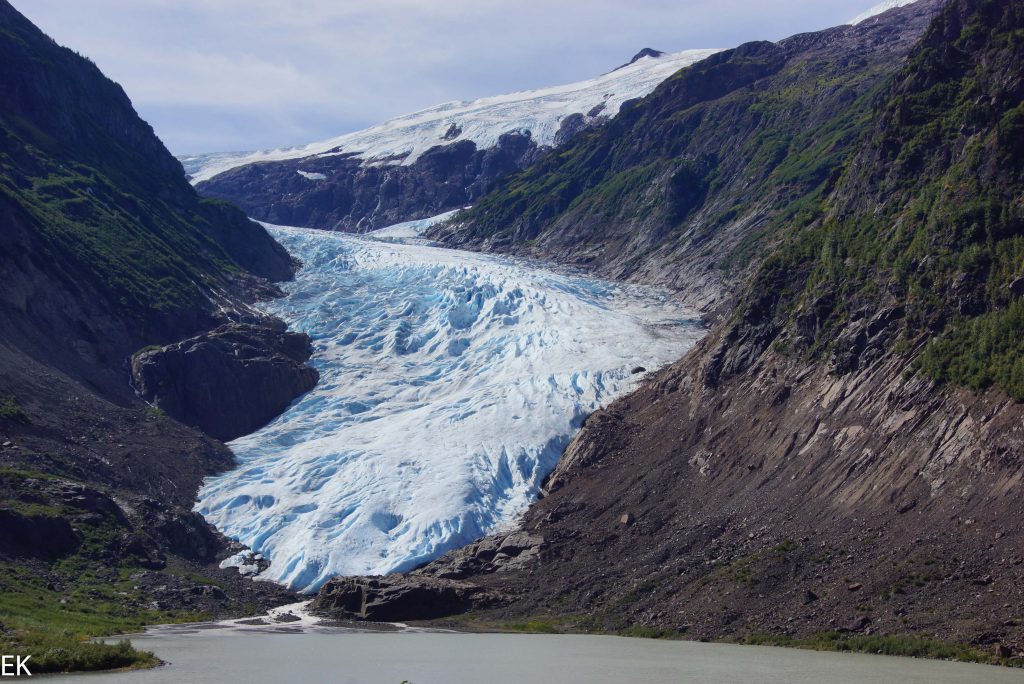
x=929, y=216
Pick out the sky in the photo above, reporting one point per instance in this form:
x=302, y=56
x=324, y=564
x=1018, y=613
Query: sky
x=225, y=75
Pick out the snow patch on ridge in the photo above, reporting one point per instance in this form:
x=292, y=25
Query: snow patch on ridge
x=450, y=383
x=879, y=9
x=540, y=112
x=410, y=230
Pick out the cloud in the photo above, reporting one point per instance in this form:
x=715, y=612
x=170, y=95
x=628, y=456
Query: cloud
x=242, y=74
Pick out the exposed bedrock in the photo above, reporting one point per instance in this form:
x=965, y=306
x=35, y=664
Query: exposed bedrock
x=398, y=597
x=341, y=192
x=435, y=590
x=230, y=381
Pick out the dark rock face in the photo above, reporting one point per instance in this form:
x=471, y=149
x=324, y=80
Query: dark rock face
x=36, y=536
x=646, y=52
x=230, y=381
x=397, y=597
x=358, y=198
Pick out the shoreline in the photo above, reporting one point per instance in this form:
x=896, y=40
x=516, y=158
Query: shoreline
x=295, y=619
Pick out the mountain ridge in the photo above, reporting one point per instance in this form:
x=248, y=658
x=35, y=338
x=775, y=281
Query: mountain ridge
x=407, y=142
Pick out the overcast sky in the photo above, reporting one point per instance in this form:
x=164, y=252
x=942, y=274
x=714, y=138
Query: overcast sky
x=213, y=75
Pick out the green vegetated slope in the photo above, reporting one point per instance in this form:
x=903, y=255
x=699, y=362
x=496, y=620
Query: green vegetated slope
x=927, y=220
x=51, y=604
x=691, y=182
x=104, y=243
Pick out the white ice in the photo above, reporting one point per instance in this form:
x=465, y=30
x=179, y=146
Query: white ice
x=450, y=383
x=879, y=9
x=483, y=121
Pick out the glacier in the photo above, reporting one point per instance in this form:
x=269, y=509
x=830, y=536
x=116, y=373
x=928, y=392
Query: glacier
x=450, y=383
x=540, y=112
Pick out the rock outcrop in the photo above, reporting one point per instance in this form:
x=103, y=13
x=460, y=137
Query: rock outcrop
x=436, y=589
x=230, y=381
x=36, y=536
x=498, y=553
x=398, y=597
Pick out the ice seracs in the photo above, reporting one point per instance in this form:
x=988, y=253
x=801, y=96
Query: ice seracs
x=450, y=383
x=540, y=112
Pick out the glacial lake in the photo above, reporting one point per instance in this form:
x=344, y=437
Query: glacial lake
x=198, y=655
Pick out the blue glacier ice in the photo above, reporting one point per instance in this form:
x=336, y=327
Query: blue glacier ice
x=450, y=383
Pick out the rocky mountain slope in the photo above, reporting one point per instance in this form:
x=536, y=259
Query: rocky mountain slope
x=686, y=186
x=425, y=163
x=842, y=455
x=105, y=249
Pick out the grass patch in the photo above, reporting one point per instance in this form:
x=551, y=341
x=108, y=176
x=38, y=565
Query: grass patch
x=51, y=610
x=534, y=627
x=643, y=632
x=147, y=348
x=62, y=652
x=155, y=413
x=907, y=646
x=55, y=627
x=10, y=409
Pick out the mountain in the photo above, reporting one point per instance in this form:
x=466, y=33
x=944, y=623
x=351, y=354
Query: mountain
x=838, y=463
x=681, y=187
x=106, y=249
x=422, y=164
